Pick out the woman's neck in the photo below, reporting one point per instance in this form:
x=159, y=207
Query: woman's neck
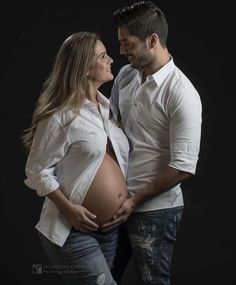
x=93, y=94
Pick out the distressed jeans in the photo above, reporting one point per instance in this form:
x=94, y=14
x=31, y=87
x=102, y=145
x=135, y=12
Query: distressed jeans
x=84, y=259
x=152, y=235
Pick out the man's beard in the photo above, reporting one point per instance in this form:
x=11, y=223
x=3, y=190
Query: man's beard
x=140, y=63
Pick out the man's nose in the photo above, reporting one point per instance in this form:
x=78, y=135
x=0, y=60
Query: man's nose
x=122, y=50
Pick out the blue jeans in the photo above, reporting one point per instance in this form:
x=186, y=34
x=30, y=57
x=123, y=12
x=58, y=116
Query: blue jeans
x=152, y=235
x=84, y=259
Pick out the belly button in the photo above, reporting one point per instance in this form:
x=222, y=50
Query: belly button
x=119, y=195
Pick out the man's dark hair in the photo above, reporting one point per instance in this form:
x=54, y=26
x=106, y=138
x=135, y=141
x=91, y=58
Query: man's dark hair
x=142, y=19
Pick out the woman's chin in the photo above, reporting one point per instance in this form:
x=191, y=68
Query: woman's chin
x=111, y=77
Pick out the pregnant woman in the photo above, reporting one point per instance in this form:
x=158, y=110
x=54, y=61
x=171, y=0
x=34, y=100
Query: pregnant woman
x=77, y=160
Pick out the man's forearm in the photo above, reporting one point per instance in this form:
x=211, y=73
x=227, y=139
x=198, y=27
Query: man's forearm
x=164, y=181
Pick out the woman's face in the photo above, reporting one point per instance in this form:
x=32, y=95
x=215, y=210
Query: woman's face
x=100, y=69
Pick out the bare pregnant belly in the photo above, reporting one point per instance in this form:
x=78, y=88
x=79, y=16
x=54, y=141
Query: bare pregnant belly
x=107, y=191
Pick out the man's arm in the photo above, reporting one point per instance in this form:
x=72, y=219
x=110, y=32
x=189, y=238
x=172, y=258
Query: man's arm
x=164, y=181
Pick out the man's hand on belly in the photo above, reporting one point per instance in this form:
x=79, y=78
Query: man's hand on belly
x=121, y=215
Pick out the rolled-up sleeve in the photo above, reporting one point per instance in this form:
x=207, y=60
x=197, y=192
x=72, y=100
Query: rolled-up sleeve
x=185, y=131
x=48, y=148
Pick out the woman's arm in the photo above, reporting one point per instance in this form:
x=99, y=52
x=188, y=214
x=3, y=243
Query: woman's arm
x=79, y=217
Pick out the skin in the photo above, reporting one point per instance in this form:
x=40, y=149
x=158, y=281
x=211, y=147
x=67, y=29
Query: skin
x=99, y=72
x=149, y=55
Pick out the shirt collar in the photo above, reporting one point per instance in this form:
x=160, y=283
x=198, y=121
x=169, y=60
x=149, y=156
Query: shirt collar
x=101, y=99
x=160, y=75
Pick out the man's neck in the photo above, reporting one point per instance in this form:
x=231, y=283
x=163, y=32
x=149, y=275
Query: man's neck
x=161, y=59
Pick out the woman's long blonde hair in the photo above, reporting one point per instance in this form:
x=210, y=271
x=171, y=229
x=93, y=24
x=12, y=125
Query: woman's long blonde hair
x=67, y=84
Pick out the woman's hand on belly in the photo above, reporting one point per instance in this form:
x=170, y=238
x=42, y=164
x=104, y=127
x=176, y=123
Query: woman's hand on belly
x=81, y=218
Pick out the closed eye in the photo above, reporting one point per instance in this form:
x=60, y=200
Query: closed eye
x=103, y=55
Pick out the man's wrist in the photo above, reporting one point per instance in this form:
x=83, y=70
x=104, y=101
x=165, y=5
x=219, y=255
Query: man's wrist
x=137, y=199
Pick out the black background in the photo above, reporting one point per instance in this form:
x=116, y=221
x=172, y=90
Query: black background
x=201, y=37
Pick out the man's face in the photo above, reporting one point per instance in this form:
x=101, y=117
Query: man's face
x=135, y=49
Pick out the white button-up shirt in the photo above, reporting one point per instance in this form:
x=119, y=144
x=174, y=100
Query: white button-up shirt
x=162, y=119
x=66, y=153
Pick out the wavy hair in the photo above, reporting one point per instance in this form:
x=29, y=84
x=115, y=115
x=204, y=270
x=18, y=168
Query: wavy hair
x=67, y=84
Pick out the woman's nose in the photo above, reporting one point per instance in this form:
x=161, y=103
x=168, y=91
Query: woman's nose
x=110, y=60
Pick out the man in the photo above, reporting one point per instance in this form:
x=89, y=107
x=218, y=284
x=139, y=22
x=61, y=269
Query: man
x=160, y=111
